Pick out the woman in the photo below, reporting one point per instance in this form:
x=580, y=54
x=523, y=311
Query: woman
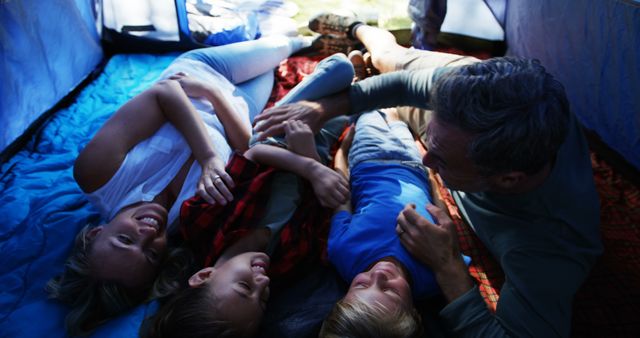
x=163, y=146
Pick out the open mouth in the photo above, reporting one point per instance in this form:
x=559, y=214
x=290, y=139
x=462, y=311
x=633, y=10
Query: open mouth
x=260, y=267
x=150, y=221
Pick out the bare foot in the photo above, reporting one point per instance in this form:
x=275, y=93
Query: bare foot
x=357, y=60
x=371, y=70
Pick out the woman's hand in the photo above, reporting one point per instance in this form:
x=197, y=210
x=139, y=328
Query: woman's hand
x=215, y=184
x=191, y=86
x=330, y=187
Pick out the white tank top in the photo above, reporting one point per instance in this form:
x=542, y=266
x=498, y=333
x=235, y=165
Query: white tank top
x=153, y=163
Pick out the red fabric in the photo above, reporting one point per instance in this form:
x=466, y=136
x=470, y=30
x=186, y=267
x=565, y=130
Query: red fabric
x=209, y=230
x=290, y=72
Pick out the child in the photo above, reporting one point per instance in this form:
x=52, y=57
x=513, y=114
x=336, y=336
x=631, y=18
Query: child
x=271, y=215
x=386, y=173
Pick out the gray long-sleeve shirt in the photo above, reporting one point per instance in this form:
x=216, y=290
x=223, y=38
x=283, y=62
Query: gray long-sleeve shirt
x=545, y=240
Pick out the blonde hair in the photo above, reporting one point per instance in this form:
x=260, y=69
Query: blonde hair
x=357, y=319
x=94, y=301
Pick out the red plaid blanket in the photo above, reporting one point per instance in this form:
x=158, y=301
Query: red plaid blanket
x=210, y=229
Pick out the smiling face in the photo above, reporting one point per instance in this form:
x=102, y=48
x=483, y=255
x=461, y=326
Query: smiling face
x=129, y=249
x=240, y=286
x=447, y=155
x=384, y=284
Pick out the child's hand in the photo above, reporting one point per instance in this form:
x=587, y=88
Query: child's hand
x=330, y=187
x=191, y=86
x=300, y=139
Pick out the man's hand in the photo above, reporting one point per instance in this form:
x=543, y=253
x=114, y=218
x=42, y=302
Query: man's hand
x=435, y=245
x=330, y=187
x=272, y=121
x=312, y=113
x=215, y=182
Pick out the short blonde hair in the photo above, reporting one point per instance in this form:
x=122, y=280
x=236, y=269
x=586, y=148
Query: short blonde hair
x=356, y=319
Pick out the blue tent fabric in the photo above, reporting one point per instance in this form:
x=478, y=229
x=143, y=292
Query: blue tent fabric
x=42, y=208
x=46, y=49
x=593, y=48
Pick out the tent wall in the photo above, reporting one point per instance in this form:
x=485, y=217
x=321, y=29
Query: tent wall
x=46, y=49
x=593, y=48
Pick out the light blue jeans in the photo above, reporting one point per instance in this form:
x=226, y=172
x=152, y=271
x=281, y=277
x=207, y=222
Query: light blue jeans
x=249, y=65
x=379, y=140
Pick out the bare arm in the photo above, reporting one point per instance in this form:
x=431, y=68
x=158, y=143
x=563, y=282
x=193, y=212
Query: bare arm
x=312, y=113
x=330, y=187
x=136, y=121
x=238, y=131
x=341, y=165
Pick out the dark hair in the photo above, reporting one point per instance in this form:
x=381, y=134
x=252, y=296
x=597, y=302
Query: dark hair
x=517, y=112
x=191, y=313
x=355, y=319
x=95, y=301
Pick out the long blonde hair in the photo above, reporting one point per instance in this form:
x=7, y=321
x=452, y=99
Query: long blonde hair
x=94, y=301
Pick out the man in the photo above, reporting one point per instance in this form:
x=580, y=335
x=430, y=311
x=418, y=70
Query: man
x=505, y=143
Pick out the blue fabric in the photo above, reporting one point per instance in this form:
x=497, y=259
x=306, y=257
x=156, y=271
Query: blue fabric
x=378, y=140
x=593, y=48
x=386, y=174
x=379, y=192
x=42, y=208
x=46, y=49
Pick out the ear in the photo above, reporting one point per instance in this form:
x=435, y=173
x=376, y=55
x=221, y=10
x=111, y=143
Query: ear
x=201, y=277
x=509, y=180
x=91, y=234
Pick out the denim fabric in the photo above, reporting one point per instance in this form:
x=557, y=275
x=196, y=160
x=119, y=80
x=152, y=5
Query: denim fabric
x=377, y=140
x=249, y=65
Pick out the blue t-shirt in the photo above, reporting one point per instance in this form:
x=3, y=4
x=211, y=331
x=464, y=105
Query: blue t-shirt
x=379, y=191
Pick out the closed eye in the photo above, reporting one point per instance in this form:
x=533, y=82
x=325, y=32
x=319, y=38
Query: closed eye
x=245, y=286
x=124, y=239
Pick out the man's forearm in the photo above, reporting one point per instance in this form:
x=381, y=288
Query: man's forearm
x=454, y=279
x=388, y=90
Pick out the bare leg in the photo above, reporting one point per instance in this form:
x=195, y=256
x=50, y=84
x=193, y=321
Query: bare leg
x=388, y=56
x=385, y=51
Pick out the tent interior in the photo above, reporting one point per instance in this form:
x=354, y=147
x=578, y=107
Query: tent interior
x=67, y=66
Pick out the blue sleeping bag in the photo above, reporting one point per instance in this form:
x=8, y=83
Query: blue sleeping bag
x=42, y=208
